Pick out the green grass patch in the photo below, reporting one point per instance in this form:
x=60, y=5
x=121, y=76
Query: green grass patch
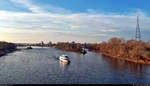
x=148, y=53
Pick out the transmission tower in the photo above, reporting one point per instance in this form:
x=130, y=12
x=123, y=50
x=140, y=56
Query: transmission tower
x=138, y=32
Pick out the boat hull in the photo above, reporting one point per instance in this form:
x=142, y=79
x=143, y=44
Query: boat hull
x=66, y=61
x=29, y=48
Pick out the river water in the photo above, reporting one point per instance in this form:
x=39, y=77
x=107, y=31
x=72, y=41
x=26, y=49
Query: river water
x=41, y=66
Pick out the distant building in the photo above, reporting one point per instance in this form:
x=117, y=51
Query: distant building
x=42, y=43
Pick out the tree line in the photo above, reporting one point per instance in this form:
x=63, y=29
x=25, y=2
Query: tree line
x=136, y=50
x=116, y=47
x=69, y=46
x=6, y=47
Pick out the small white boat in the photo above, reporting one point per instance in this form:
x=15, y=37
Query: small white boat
x=64, y=58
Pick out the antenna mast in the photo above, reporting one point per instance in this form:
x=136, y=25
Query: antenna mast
x=138, y=32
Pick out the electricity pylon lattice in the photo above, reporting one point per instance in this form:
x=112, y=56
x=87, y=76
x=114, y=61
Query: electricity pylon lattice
x=138, y=32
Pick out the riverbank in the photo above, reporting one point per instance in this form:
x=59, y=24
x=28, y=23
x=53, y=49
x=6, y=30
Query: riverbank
x=128, y=50
x=145, y=61
x=6, y=47
x=70, y=46
x=140, y=61
x=4, y=52
x=71, y=50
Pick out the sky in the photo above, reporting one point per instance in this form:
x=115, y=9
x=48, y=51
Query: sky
x=93, y=21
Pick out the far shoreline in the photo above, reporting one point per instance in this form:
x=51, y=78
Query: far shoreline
x=6, y=47
x=115, y=57
x=124, y=59
x=5, y=52
x=76, y=51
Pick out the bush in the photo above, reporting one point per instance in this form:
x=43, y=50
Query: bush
x=148, y=53
x=7, y=46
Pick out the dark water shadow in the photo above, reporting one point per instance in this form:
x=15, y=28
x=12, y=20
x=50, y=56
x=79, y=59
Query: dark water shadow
x=138, y=70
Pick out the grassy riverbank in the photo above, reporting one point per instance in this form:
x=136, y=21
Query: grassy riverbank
x=130, y=50
x=6, y=47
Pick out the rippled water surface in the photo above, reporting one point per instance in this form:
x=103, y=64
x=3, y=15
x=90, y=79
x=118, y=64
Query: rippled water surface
x=41, y=66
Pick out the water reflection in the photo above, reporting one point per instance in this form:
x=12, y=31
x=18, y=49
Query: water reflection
x=42, y=65
x=64, y=65
x=137, y=69
x=124, y=66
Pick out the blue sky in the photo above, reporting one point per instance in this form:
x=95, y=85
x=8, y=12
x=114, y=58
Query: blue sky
x=118, y=6
x=72, y=20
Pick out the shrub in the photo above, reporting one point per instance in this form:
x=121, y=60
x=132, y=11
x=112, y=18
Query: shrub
x=148, y=53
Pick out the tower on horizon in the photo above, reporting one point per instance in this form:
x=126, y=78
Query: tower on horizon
x=138, y=32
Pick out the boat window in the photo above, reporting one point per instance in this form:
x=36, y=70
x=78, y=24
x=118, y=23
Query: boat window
x=66, y=56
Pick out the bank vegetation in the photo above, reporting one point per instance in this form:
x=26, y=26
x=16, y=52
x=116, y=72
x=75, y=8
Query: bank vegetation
x=6, y=47
x=69, y=46
x=129, y=50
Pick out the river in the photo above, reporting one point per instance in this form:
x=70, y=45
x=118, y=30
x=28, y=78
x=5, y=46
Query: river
x=41, y=66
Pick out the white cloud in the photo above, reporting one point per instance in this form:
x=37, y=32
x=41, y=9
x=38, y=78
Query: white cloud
x=28, y=4
x=103, y=35
x=109, y=30
x=40, y=9
x=73, y=26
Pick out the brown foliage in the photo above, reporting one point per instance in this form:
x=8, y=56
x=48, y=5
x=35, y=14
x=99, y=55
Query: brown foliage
x=116, y=47
x=124, y=49
x=77, y=47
